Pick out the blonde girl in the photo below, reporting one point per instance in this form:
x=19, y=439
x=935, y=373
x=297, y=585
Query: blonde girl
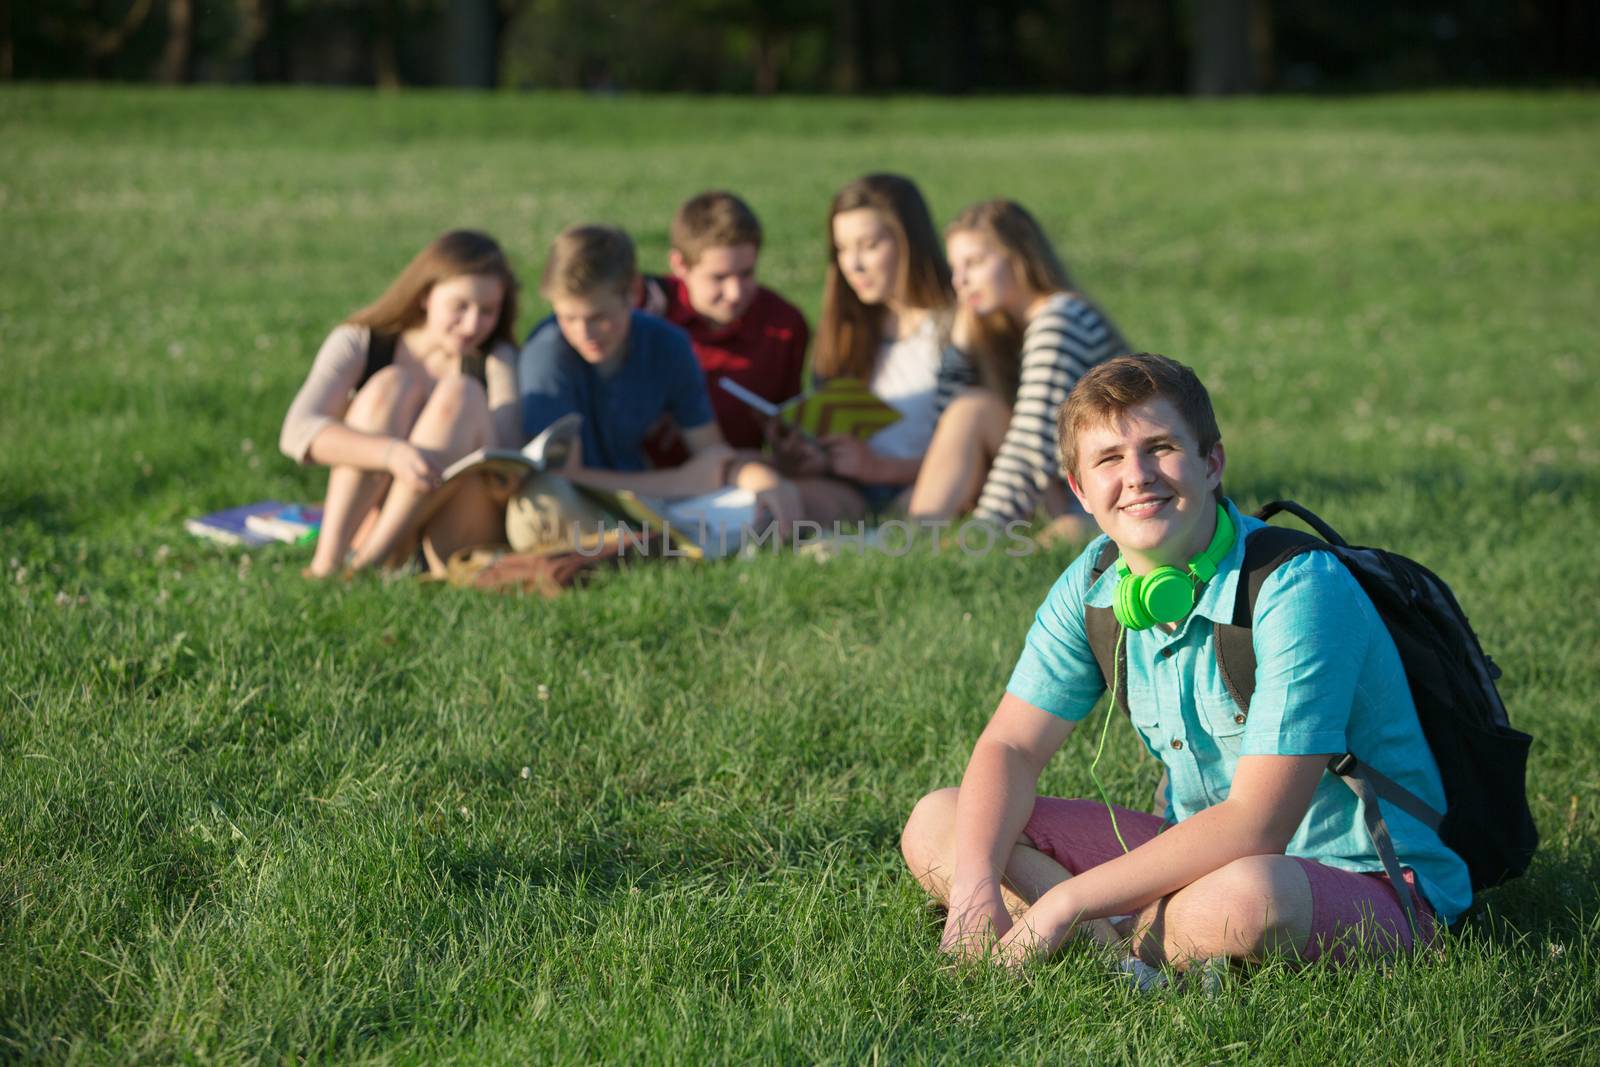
x=1030, y=334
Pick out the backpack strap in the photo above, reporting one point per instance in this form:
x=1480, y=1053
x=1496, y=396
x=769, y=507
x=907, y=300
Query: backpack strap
x=1100, y=626
x=1348, y=768
x=474, y=365
x=1359, y=780
x=1266, y=550
x=380, y=353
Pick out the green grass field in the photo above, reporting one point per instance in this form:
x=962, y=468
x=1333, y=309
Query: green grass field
x=243, y=817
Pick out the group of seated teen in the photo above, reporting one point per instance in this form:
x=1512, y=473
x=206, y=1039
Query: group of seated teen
x=1257, y=847
x=974, y=342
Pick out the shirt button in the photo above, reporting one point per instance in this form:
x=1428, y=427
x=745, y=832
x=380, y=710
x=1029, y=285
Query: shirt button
x=1167, y=653
x=1176, y=743
x=1239, y=718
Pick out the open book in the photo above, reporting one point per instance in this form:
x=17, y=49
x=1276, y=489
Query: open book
x=547, y=451
x=843, y=406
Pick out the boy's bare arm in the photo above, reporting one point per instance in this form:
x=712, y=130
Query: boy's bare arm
x=701, y=474
x=709, y=467
x=996, y=798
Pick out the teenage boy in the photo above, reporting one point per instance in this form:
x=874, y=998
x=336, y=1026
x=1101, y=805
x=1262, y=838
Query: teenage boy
x=740, y=329
x=622, y=370
x=1262, y=850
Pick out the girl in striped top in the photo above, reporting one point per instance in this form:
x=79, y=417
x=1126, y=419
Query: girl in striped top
x=1029, y=335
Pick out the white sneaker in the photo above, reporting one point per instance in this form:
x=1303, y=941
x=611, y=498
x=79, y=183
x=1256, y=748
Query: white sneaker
x=1143, y=976
x=1212, y=974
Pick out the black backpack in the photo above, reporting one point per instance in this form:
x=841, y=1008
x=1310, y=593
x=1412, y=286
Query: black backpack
x=380, y=353
x=1482, y=760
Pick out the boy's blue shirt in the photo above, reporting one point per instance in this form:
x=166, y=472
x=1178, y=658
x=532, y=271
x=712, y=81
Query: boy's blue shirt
x=659, y=375
x=1328, y=680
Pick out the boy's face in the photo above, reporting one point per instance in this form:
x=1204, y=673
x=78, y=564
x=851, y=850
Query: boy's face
x=1141, y=476
x=595, y=324
x=721, y=283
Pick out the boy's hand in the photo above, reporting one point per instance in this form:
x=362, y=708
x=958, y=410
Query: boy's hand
x=977, y=918
x=1020, y=944
x=1037, y=932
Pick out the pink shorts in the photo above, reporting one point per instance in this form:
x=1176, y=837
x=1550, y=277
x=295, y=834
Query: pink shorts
x=1347, y=907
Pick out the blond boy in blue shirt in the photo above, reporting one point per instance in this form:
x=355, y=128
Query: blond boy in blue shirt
x=1260, y=849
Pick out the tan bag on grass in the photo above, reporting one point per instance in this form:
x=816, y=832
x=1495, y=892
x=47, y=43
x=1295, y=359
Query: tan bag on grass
x=551, y=573
x=547, y=573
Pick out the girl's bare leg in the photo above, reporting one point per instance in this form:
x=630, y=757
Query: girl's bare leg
x=388, y=404
x=964, y=444
x=454, y=421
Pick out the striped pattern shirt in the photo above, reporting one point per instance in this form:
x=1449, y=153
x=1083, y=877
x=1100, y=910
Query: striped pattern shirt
x=1062, y=341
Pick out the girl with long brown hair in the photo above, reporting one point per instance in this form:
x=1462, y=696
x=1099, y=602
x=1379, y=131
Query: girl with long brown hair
x=1030, y=335
x=885, y=307
x=400, y=390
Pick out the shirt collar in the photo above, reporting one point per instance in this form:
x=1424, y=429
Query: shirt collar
x=1216, y=596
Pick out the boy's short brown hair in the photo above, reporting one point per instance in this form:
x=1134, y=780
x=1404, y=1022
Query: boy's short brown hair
x=714, y=219
x=1124, y=382
x=588, y=258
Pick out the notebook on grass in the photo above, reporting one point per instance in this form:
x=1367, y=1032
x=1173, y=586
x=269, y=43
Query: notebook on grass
x=231, y=526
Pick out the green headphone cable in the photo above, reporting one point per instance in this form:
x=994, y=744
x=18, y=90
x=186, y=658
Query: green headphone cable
x=1138, y=602
x=1111, y=710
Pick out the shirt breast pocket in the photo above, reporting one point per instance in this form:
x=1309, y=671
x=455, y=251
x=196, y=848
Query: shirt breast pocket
x=1224, y=721
x=1146, y=720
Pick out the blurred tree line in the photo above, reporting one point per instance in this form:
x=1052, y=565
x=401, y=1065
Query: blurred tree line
x=810, y=46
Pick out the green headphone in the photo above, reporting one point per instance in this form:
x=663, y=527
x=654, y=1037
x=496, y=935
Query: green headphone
x=1167, y=594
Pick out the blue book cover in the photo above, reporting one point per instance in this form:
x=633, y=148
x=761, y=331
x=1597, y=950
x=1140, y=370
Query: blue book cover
x=229, y=526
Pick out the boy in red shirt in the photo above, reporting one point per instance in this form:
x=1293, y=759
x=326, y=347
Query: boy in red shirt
x=740, y=329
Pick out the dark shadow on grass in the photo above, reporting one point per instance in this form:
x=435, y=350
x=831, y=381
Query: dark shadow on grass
x=1556, y=900
x=635, y=849
x=35, y=510
x=602, y=864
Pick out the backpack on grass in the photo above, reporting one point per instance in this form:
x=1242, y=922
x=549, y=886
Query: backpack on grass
x=1482, y=760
